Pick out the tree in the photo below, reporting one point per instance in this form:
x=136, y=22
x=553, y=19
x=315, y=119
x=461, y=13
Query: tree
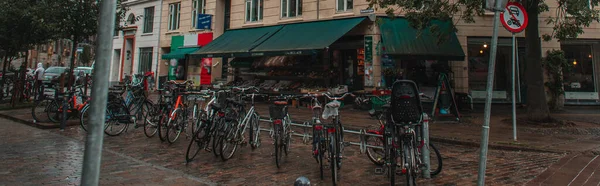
x=569, y=20
x=86, y=55
x=24, y=24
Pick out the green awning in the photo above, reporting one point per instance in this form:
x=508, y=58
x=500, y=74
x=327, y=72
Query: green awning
x=401, y=41
x=179, y=53
x=302, y=38
x=236, y=43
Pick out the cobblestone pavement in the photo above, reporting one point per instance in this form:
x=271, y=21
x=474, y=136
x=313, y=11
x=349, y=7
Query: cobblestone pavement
x=34, y=157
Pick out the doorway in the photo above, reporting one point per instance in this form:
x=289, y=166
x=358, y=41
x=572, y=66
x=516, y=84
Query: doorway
x=116, y=64
x=128, y=56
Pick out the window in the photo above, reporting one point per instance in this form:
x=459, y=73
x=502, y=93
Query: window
x=478, y=50
x=291, y=8
x=254, y=10
x=130, y=20
x=148, y=19
x=344, y=5
x=174, y=15
x=580, y=78
x=198, y=7
x=145, y=60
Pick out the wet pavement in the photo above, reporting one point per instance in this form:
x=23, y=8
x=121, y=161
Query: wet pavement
x=34, y=157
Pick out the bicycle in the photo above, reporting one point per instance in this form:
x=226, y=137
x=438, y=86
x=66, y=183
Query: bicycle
x=75, y=104
x=282, y=130
x=332, y=139
x=377, y=156
x=404, y=117
x=178, y=119
x=234, y=129
x=210, y=116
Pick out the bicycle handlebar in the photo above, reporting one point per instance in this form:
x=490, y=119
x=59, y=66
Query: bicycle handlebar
x=243, y=90
x=338, y=98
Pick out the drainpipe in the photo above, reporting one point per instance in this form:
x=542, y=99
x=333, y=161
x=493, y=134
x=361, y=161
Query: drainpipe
x=318, y=9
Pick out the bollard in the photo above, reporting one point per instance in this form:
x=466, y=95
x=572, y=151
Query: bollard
x=425, y=148
x=63, y=121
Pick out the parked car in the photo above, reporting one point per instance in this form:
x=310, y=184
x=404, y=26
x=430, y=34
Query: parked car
x=86, y=70
x=53, y=72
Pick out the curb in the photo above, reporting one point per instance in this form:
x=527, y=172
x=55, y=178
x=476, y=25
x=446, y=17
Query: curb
x=30, y=123
x=493, y=146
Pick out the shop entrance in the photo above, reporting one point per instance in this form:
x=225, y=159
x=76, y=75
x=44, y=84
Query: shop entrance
x=353, y=75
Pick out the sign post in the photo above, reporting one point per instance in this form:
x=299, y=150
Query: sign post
x=496, y=7
x=514, y=18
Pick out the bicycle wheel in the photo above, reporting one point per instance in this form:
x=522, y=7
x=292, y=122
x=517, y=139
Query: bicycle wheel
x=254, y=133
x=162, y=125
x=377, y=156
x=435, y=166
x=217, y=135
x=194, y=147
x=118, y=119
x=287, y=136
x=320, y=151
x=393, y=163
x=333, y=158
x=409, y=163
x=151, y=120
x=197, y=116
x=39, y=111
x=175, y=125
x=143, y=112
x=229, y=141
x=83, y=118
x=54, y=112
x=277, y=141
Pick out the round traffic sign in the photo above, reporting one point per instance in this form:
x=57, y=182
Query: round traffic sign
x=514, y=17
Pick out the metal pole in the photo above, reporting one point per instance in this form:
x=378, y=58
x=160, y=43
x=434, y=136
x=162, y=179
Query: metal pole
x=318, y=2
x=488, y=100
x=425, y=149
x=518, y=72
x=514, y=96
x=93, y=145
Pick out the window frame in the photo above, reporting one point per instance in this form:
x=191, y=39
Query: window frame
x=288, y=11
x=174, y=20
x=149, y=52
x=148, y=26
x=345, y=9
x=195, y=11
x=249, y=7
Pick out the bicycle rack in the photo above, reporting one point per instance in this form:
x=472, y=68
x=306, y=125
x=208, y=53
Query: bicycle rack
x=362, y=144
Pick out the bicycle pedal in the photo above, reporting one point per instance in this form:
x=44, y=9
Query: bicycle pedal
x=379, y=171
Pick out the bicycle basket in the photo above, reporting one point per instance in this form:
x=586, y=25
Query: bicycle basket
x=277, y=111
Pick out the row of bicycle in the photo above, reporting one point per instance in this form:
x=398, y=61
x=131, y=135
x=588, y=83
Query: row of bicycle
x=219, y=121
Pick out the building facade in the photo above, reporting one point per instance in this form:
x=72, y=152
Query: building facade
x=364, y=43
x=136, y=46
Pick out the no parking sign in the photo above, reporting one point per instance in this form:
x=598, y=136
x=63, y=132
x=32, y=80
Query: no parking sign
x=514, y=17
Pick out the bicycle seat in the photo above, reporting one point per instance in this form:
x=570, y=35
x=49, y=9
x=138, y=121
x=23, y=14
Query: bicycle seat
x=280, y=102
x=235, y=102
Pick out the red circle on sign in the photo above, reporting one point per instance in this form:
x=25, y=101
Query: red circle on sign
x=505, y=22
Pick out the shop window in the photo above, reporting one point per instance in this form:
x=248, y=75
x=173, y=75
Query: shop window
x=174, y=15
x=478, y=50
x=145, y=60
x=254, y=10
x=344, y=5
x=198, y=7
x=148, y=19
x=291, y=8
x=581, y=76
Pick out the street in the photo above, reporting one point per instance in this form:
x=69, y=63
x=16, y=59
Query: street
x=34, y=157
